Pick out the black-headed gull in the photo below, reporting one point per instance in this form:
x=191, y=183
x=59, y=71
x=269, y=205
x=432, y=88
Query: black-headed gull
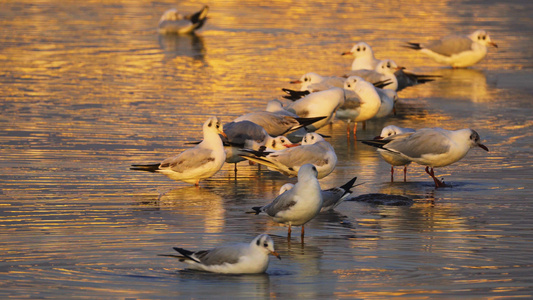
x=332, y=197
x=393, y=158
x=314, y=150
x=458, y=51
x=239, y=258
x=174, y=22
x=362, y=106
x=298, y=205
x=323, y=103
x=194, y=164
x=431, y=147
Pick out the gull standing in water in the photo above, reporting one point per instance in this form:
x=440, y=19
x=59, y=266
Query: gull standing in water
x=298, y=205
x=314, y=150
x=331, y=197
x=431, y=147
x=240, y=258
x=361, y=107
x=200, y=162
x=458, y=51
x=174, y=22
x=393, y=158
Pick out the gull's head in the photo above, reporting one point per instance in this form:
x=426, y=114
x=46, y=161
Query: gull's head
x=213, y=125
x=475, y=140
x=309, y=78
x=286, y=187
x=264, y=243
x=306, y=170
x=387, y=66
x=274, y=105
x=359, y=86
x=483, y=38
x=391, y=130
x=360, y=50
x=311, y=138
x=280, y=143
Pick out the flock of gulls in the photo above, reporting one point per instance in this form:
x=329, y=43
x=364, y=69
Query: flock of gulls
x=283, y=138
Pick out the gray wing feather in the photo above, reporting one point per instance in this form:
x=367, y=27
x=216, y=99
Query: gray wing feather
x=281, y=203
x=188, y=159
x=301, y=155
x=419, y=143
x=450, y=45
x=332, y=196
x=240, y=132
x=219, y=255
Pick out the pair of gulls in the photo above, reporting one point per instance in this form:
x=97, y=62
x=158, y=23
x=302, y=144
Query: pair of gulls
x=296, y=205
x=430, y=147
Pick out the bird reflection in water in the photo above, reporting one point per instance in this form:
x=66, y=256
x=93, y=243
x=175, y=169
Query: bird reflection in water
x=190, y=45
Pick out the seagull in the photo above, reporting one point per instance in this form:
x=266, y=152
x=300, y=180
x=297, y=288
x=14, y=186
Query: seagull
x=248, y=135
x=314, y=82
x=323, y=103
x=313, y=150
x=277, y=124
x=197, y=163
x=458, y=51
x=363, y=106
x=392, y=158
x=431, y=147
x=240, y=258
x=174, y=22
x=364, y=57
x=331, y=197
x=298, y=205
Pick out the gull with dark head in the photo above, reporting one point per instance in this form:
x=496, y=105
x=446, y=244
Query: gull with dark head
x=240, y=258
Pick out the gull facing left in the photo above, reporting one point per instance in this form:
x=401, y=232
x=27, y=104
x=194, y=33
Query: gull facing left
x=240, y=258
x=194, y=164
x=298, y=205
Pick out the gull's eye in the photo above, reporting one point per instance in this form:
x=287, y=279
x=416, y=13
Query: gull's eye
x=348, y=85
x=388, y=65
x=364, y=48
x=483, y=37
x=265, y=245
x=358, y=49
x=312, y=137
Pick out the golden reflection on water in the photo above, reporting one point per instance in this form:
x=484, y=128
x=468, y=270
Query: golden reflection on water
x=89, y=88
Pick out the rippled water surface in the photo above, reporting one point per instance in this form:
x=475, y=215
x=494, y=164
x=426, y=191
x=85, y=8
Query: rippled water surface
x=89, y=87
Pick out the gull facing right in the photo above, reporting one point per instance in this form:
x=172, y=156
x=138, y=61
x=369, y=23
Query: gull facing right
x=431, y=147
x=458, y=51
x=241, y=258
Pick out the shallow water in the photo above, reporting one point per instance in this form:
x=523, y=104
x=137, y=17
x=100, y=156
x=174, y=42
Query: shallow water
x=88, y=89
